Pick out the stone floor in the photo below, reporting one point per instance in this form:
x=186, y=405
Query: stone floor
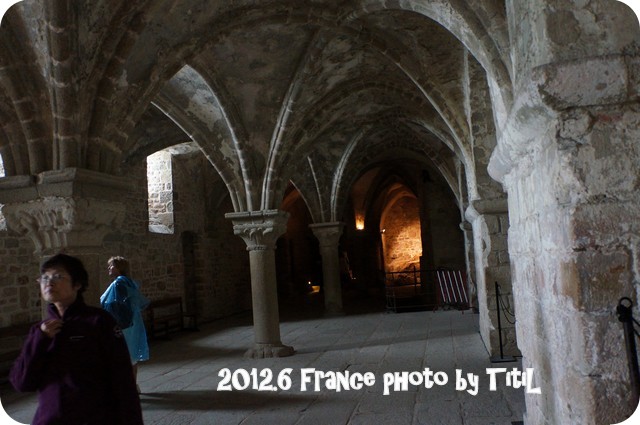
x=180, y=384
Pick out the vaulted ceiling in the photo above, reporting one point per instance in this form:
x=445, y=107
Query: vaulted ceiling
x=311, y=92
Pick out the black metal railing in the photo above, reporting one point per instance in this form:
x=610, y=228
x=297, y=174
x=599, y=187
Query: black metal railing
x=502, y=308
x=428, y=289
x=625, y=315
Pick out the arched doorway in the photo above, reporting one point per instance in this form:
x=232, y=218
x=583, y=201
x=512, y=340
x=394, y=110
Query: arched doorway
x=400, y=232
x=411, y=225
x=298, y=265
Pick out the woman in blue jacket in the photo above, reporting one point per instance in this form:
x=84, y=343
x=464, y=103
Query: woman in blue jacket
x=125, y=302
x=77, y=358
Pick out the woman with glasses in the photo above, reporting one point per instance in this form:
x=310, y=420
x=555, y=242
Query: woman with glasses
x=76, y=358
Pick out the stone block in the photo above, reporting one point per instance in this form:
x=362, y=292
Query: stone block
x=493, y=224
x=11, y=243
x=604, y=277
x=573, y=84
x=594, y=229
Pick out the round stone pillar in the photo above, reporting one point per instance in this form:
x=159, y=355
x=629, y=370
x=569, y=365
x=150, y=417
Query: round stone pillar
x=329, y=236
x=260, y=231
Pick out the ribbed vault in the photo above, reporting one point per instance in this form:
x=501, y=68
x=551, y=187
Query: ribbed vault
x=259, y=87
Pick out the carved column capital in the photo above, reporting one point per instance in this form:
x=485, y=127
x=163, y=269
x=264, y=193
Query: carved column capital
x=481, y=207
x=259, y=229
x=328, y=234
x=54, y=223
x=67, y=208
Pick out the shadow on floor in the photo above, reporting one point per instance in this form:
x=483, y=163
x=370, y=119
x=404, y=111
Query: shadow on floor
x=207, y=400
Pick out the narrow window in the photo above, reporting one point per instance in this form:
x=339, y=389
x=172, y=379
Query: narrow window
x=160, y=190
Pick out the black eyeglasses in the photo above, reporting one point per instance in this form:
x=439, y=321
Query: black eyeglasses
x=54, y=278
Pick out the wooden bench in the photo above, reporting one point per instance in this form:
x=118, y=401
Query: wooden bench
x=12, y=338
x=165, y=316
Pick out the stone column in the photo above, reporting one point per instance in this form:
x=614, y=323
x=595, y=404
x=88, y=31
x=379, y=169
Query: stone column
x=329, y=236
x=260, y=231
x=489, y=219
x=426, y=235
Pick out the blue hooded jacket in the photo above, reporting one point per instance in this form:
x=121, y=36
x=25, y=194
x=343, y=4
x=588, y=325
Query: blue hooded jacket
x=135, y=335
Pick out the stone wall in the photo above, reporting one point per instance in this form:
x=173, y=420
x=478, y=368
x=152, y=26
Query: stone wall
x=222, y=278
x=444, y=226
x=401, y=237
x=223, y=281
x=20, y=293
x=222, y=262
x=297, y=253
x=574, y=246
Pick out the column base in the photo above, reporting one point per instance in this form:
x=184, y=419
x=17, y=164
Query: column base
x=333, y=312
x=262, y=351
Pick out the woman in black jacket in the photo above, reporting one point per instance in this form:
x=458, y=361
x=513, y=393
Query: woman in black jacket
x=77, y=358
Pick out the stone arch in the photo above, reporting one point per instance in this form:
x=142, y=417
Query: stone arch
x=359, y=159
x=297, y=256
x=23, y=108
x=221, y=155
x=470, y=24
x=255, y=16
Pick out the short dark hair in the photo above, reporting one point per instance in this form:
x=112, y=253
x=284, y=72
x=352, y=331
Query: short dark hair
x=72, y=265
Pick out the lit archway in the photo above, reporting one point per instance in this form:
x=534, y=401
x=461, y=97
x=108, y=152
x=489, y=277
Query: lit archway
x=400, y=233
